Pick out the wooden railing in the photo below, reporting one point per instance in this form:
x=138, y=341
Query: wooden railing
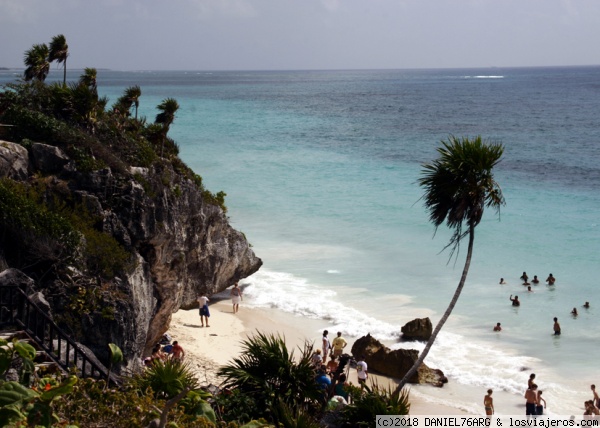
x=17, y=309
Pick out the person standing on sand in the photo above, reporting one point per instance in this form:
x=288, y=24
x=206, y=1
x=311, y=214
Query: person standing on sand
x=204, y=312
x=236, y=297
x=488, y=403
x=556, y=327
x=325, y=345
x=362, y=372
x=339, y=343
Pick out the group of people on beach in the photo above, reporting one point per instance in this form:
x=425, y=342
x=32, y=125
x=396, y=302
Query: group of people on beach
x=332, y=376
x=165, y=350
x=236, y=298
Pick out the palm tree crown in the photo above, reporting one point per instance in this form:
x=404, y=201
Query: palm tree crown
x=458, y=186
x=36, y=62
x=133, y=94
x=59, y=51
x=168, y=107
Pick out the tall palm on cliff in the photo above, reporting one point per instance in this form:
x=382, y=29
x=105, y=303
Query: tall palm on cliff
x=59, y=51
x=36, y=61
x=168, y=107
x=133, y=94
x=458, y=186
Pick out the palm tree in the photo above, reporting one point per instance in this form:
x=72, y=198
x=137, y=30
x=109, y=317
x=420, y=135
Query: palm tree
x=133, y=94
x=458, y=186
x=59, y=51
x=36, y=62
x=168, y=107
x=88, y=78
x=266, y=371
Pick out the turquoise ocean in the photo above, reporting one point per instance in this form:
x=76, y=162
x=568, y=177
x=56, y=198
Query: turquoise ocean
x=320, y=170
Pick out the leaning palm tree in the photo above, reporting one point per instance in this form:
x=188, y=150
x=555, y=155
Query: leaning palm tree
x=59, y=51
x=458, y=186
x=36, y=63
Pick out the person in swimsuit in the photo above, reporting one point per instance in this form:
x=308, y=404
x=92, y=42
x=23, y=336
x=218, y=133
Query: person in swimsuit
x=515, y=301
x=531, y=400
x=556, y=327
x=535, y=280
x=498, y=327
x=524, y=278
x=488, y=403
x=539, y=408
x=550, y=280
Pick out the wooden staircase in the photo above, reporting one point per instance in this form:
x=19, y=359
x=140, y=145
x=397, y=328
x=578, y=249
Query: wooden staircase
x=21, y=318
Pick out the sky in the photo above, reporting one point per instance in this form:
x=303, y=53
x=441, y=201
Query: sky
x=305, y=34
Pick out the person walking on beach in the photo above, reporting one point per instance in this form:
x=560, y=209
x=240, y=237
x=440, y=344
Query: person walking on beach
x=596, y=400
x=556, y=327
x=362, y=372
x=325, y=345
x=515, y=301
x=204, y=312
x=530, y=400
x=236, y=297
x=488, y=403
x=339, y=343
x=550, y=280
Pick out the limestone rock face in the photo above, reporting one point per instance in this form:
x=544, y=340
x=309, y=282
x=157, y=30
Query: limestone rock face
x=14, y=161
x=48, y=159
x=417, y=329
x=396, y=364
x=180, y=246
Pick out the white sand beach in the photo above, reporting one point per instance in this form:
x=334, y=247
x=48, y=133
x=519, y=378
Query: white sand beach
x=207, y=348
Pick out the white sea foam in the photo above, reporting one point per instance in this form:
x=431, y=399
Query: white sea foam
x=296, y=295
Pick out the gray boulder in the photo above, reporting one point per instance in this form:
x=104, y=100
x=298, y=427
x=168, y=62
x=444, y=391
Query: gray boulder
x=14, y=161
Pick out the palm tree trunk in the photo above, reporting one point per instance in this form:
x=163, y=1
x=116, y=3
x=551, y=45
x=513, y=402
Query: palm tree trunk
x=65, y=73
x=442, y=321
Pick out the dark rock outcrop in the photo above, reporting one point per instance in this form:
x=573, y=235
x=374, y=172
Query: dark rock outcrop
x=395, y=364
x=180, y=246
x=417, y=329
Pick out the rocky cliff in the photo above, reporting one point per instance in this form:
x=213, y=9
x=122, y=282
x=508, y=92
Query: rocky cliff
x=178, y=245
